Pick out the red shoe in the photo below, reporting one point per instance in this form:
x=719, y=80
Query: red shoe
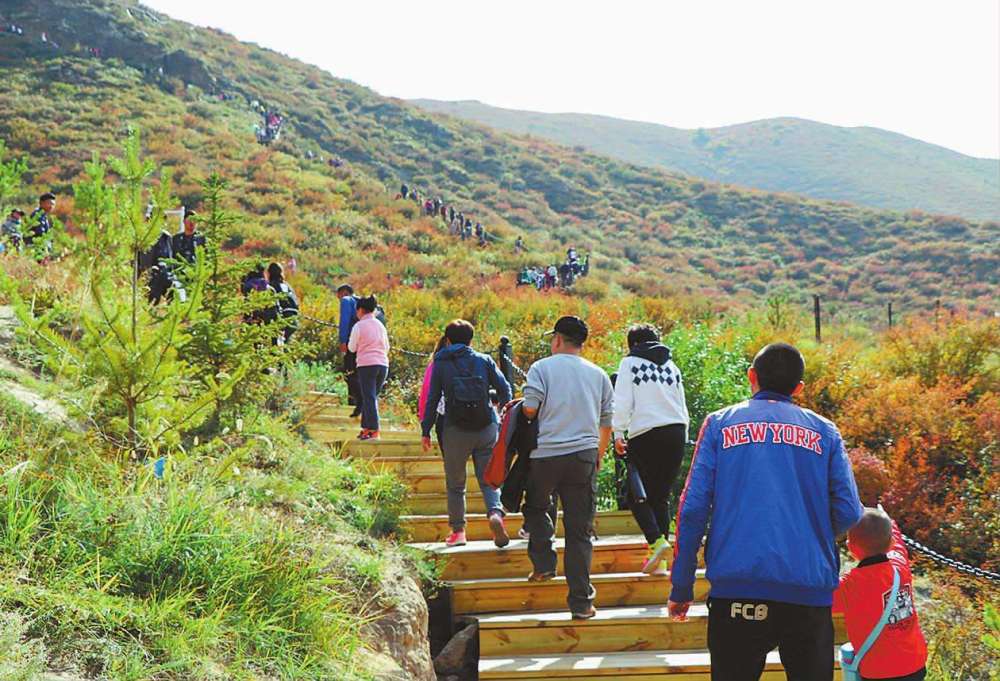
x=369, y=435
x=499, y=530
x=455, y=539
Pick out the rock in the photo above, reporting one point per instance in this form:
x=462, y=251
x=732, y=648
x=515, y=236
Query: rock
x=461, y=654
x=400, y=633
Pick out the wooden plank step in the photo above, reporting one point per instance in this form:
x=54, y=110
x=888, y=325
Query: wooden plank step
x=520, y=595
x=435, y=484
x=483, y=560
x=371, y=448
x=435, y=528
x=405, y=466
x=426, y=504
x=342, y=434
x=612, y=630
x=681, y=665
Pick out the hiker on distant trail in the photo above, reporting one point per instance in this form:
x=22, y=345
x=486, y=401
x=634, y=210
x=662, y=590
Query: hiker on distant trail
x=464, y=378
x=348, y=318
x=254, y=282
x=186, y=243
x=161, y=276
x=650, y=426
x=10, y=231
x=518, y=246
x=776, y=484
x=505, y=360
x=425, y=389
x=451, y=213
x=370, y=341
x=573, y=402
x=40, y=225
x=444, y=213
x=405, y=191
x=288, y=302
x=551, y=277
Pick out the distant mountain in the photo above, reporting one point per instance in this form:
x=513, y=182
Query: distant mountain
x=868, y=166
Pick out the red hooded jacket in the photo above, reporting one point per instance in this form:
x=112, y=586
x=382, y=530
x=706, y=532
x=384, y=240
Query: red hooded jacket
x=862, y=596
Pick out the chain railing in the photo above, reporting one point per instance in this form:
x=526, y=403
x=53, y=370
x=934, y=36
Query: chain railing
x=941, y=559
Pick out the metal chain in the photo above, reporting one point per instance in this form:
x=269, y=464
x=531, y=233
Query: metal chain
x=950, y=562
x=318, y=321
x=334, y=326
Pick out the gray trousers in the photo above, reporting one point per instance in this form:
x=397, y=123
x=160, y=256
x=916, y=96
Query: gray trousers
x=574, y=478
x=457, y=446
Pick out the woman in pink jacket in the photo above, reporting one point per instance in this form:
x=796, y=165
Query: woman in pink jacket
x=370, y=341
x=426, y=388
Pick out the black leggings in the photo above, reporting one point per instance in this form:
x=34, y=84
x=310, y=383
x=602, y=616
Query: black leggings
x=657, y=454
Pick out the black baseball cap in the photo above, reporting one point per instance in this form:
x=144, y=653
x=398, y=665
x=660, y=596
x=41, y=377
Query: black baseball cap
x=572, y=328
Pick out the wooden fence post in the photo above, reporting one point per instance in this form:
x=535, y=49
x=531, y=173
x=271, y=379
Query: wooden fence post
x=816, y=315
x=505, y=357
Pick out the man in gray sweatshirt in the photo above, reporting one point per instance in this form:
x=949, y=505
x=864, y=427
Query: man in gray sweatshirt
x=573, y=401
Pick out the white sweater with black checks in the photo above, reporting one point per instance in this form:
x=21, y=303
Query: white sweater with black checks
x=647, y=396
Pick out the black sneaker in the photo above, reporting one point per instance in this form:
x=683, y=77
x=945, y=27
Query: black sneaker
x=356, y=413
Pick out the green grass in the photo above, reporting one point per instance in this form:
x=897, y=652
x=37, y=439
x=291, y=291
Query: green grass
x=249, y=560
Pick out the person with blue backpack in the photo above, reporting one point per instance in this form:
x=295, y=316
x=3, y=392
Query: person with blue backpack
x=776, y=484
x=464, y=378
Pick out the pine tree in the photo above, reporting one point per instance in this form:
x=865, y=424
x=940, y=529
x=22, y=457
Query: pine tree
x=127, y=352
x=221, y=345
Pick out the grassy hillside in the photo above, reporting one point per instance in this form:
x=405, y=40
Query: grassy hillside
x=867, y=166
x=650, y=231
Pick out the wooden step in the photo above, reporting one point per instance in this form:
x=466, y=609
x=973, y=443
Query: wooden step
x=405, y=466
x=613, y=630
x=520, y=595
x=681, y=665
x=435, y=484
x=372, y=448
x=426, y=504
x=435, y=528
x=342, y=434
x=483, y=560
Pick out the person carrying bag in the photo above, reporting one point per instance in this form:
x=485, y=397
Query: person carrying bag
x=850, y=661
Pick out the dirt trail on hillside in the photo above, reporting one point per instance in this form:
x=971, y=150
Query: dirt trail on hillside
x=14, y=387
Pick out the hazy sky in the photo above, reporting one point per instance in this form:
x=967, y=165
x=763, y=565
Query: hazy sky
x=924, y=68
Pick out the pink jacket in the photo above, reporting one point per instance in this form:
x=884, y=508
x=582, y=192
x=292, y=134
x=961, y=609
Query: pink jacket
x=370, y=341
x=424, y=391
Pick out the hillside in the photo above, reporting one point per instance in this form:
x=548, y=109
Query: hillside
x=862, y=165
x=108, y=64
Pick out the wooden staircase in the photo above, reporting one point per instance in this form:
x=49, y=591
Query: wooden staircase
x=525, y=630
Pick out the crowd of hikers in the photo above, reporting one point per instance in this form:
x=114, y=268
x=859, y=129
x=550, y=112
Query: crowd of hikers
x=459, y=224
x=269, y=129
x=565, y=275
x=770, y=483
x=32, y=234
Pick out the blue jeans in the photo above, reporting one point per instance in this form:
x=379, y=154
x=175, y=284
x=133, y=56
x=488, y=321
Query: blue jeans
x=371, y=379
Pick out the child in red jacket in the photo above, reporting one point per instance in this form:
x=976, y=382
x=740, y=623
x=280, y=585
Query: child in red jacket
x=900, y=652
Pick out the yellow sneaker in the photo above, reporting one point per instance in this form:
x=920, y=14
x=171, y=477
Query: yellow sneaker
x=655, y=560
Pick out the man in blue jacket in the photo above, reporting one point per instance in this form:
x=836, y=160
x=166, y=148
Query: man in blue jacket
x=777, y=485
x=464, y=377
x=348, y=318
